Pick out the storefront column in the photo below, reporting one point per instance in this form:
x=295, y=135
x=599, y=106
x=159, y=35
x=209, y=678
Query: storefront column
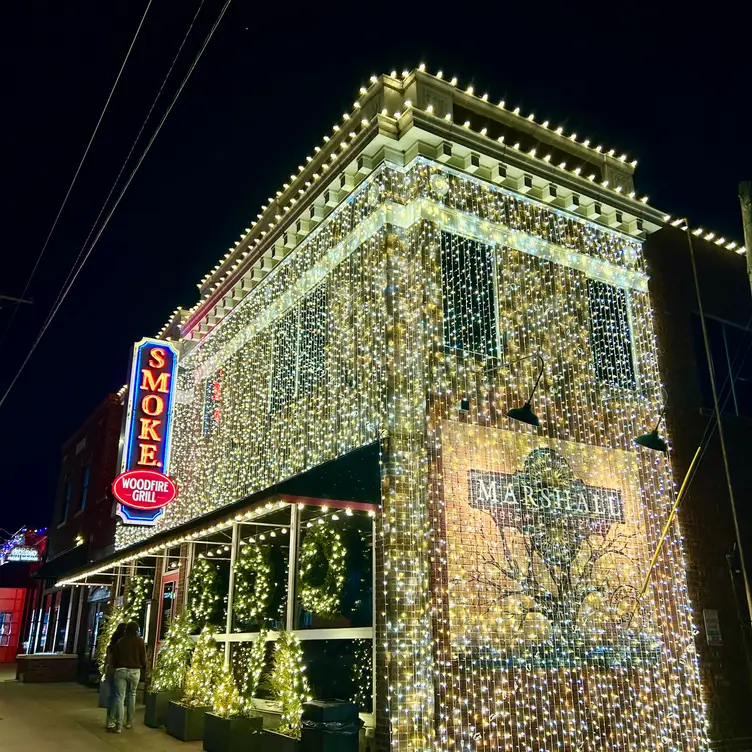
x=68, y=619
x=292, y=556
x=83, y=594
x=231, y=588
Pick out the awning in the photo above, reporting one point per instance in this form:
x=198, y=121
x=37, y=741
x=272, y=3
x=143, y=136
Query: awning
x=66, y=563
x=351, y=481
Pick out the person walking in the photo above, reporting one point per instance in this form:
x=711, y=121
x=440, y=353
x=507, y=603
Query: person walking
x=109, y=673
x=130, y=662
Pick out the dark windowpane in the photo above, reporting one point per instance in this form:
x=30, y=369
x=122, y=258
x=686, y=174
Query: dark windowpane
x=738, y=346
x=212, y=403
x=313, y=315
x=610, y=336
x=84, y=487
x=284, y=356
x=340, y=669
x=469, y=297
x=720, y=365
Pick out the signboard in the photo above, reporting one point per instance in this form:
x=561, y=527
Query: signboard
x=23, y=553
x=545, y=551
x=143, y=488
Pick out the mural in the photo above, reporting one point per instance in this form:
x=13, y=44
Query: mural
x=545, y=543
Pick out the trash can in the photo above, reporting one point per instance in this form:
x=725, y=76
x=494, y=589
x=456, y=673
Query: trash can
x=330, y=726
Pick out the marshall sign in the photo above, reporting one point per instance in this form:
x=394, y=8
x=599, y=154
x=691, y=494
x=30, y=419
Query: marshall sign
x=143, y=488
x=545, y=493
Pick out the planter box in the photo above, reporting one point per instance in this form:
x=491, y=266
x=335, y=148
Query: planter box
x=156, y=703
x=186, y=724
x=232, y=734
x=271, y=741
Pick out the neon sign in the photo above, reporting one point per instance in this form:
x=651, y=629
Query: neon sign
x=146, y=451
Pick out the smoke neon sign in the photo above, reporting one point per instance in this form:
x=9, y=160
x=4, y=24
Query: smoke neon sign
x=143, y=488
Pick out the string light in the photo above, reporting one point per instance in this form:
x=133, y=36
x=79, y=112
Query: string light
x=399, y=307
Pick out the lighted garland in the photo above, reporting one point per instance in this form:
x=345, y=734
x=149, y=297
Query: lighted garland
x=362, y=675
x=253, y=583
x=139, y=591
x=205, y=593
x=248, y=663
x=322, y=570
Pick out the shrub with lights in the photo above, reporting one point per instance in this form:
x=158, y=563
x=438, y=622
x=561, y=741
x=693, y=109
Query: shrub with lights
x=203, y=672
x=248, y=664
x=172, y=660
x=288, y=683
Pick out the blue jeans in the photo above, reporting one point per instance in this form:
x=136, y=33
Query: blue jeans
x=110, y=680
x=126, y=683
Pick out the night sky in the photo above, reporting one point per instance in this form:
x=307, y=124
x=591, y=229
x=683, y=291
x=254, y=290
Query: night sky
x=270, y=85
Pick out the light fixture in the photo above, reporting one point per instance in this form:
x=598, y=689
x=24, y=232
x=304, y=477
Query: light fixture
x=525, y=413
x=652, y=440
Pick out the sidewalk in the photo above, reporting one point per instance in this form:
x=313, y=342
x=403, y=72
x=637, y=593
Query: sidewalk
x=65, y=718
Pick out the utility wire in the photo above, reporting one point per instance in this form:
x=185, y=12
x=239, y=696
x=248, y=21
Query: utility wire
x=70, y=283
x=130, y=154
x=78, y=169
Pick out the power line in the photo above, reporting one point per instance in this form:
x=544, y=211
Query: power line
x=78, y=169
x=130, y=154
x=71, y=281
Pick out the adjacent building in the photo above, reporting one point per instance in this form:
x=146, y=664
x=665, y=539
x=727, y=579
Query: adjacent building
x=332, y=420
x=82, y=529
x=716, y=587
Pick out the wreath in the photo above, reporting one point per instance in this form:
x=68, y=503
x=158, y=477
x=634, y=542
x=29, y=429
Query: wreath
x=204, y=593
x=322, y=570
x=253, y=585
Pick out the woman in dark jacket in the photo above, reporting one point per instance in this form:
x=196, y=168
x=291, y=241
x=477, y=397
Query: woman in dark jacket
x=109, y=673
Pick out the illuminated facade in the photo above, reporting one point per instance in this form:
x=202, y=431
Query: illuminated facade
x=395, y=294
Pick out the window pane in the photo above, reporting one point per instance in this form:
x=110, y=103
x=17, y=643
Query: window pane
x=260, y=597
x=313, y=328
x=468, y=295
x=212, y=403
x=610, y=336
x=739, y=345
x=334, y=585
x=340, y=669
x=720, y=364
x=284, y=356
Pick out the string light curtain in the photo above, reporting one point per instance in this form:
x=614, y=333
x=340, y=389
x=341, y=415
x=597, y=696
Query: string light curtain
x=508, y=558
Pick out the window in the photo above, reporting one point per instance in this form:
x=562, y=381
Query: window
x=732, y=366
x=467, y=275
x=212, y=403
x=67, y=489
x=610, y=335
x=6, y=618
x=298, y=350
x=84, y=487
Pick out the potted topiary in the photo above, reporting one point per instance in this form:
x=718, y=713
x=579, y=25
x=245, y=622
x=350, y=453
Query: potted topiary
x=168, y=679
x=231, y=726
x=185, y=718
x=290, y=688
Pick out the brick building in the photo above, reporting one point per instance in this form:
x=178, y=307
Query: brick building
x=82, y=529
x=452, y=299
x=716, y=588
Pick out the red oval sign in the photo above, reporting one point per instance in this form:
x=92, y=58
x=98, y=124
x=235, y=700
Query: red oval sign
x=144, y=489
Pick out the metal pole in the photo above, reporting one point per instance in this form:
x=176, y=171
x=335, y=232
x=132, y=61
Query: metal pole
x=672, y=514
x=745, y=198
x=231, y=589
x=68, y=619
x=82, y=594
x=719, y=422
x=291, y=559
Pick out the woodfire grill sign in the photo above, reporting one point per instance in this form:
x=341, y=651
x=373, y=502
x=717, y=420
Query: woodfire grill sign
x=143, y=488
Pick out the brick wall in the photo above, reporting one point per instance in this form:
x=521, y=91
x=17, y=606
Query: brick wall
x=705, y=515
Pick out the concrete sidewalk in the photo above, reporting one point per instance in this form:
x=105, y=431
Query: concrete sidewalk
x=65, y=718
